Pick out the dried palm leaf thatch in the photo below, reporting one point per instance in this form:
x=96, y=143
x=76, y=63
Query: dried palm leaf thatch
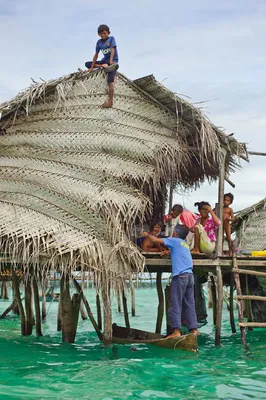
x=250, y=227
x=74, y=176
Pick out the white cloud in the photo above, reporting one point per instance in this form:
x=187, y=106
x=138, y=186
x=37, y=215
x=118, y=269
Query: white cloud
x=207, y=50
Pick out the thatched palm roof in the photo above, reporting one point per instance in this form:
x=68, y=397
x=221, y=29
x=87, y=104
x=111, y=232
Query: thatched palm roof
x=75, y=176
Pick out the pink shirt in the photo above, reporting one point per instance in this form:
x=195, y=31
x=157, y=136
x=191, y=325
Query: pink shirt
x=210, y=228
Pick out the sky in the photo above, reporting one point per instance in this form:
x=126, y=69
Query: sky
x=204, y=49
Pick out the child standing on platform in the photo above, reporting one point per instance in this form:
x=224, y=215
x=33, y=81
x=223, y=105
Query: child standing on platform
x=228, y=217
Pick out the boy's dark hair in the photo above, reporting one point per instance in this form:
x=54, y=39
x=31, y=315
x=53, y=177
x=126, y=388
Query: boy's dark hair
x=182, y=231
x=157, y=223
x=201, y=205
x=178, y=208
x=230, y=195
x=103, y=28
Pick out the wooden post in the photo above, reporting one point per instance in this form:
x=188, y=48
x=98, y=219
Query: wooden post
x=19, y=302
x=88, y=309
x=231, y=303
x=44, y=287
x=82, y=307
x=75, y=301
x=5, y=290
x=37, y=307
x=133, y=302
x=28, y=305
x=66, y=309
x=209, y=294
x=107, y=312
x=124, y=299
x=171, y=195
x=15, y=304
x=214, y=299
x=240, y=303
x=167, y=295
x=99, y=311
x=219, y=248
x=160, y=311
x=118, y=301
x=59, y=321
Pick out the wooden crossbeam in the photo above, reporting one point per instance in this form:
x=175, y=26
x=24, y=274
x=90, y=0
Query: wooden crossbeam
x=249, y=272
x=252, y=324
x=247, y=297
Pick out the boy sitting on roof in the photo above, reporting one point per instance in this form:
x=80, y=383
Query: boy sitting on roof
x=107, y=45
x=182, y=286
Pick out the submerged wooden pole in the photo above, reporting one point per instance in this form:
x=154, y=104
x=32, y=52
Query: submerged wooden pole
x=82, y=307
x=59, y=320
x=66, y=309
x=214, y=299
x=44, y=287
x=160, y=311
x=231, y=304
x=124, y=299
x=19, y=302
x=38, y=325
x=118, y=301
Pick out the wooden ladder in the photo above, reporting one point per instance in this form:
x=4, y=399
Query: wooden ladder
x=240, y=299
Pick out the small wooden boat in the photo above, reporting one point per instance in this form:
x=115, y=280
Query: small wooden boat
x=123, y=335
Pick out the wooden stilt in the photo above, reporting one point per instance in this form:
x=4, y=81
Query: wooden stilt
x=15, y=304
x=240, y=303
x=99, y=311
x=107, y=313
x=66, y=309
x=2, y=290
x=19, y=302
x=59, y=321
x=124, y=299
x=44, y=287
x=248, y=306
x=209, y=294
x=88, y=309
x=9, y=308
x=133, y=301
x=118, y=301
x=28, y=306
x=76, y=299
x=220, y=295
x=160, y=311
x=214, y=299
x=231, y=304
x=37, y=307
x=167, y=295
x=82, y=307
x=5, y=294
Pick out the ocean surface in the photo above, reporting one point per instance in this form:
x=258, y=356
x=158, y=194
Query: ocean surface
x=44, y=368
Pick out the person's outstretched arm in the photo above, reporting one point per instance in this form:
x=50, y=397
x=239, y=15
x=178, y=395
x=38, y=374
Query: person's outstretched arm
x=154, y=239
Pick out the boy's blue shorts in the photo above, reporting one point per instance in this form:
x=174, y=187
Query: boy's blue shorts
x=110, y=75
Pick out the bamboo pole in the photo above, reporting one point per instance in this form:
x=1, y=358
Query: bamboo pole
x=219, y=249
x=19, y=302
x=37, y=307
x=124, y=300
x=231, y=303
x=160, y=310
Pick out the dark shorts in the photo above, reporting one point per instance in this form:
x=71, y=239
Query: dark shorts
x=110, y=75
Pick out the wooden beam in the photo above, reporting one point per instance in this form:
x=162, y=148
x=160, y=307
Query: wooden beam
x=219, y=243
x=256, y=153
x=240, y=304
x=160, y=311
x=249, y=297
x=248, y=272
x=252, y=324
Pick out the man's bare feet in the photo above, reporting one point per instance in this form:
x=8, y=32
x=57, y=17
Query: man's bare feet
x=194, y=331
x=107, y=104
x=175, y=334
x=195, y=251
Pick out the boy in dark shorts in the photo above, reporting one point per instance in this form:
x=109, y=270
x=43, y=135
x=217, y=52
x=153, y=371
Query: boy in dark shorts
x=107, y=45
x=182, y=286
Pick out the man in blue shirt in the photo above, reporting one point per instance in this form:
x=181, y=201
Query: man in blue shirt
x=182, y=287
x=107, y=45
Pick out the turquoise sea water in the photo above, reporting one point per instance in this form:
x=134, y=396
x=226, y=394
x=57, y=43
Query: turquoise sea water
x=44, y=368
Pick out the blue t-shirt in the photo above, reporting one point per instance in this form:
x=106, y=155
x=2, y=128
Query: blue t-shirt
x=105, y=47
x=180, y=256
